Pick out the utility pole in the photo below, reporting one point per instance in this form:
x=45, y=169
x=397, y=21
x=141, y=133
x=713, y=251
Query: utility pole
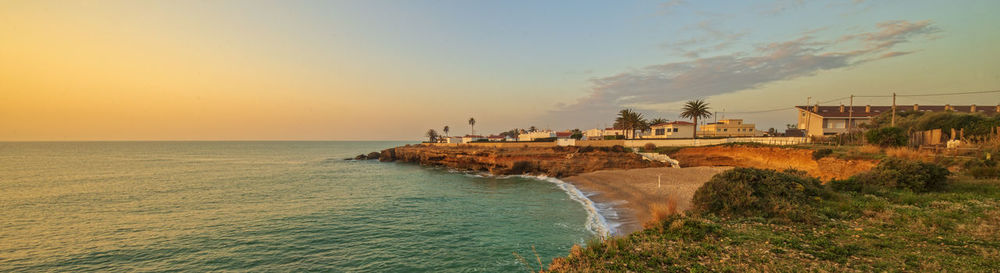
x=850, y=115
x=893, y=109
x=809, y=116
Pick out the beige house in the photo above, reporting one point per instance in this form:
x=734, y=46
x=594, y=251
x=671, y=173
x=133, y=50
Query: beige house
x=728, y=128
x=593, y=134
x=674, y=129
x=831, y=120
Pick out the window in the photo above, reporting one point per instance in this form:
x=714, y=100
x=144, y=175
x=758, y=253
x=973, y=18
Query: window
x=675, y=130
x=660, y=132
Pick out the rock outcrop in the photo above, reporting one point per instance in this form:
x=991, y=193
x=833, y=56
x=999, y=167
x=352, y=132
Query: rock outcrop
x=772, y=158
x=550, y=161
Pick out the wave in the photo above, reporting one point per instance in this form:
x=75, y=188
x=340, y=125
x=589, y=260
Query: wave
x=596, y=222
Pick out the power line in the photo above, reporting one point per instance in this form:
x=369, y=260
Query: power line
x=872, y=96
x=947, y=94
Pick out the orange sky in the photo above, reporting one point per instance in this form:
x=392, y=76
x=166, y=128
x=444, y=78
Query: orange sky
x=178, y=70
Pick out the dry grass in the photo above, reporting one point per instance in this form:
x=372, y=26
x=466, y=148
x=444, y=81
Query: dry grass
x=908, y=153
x=660, y=212
x=870, y=149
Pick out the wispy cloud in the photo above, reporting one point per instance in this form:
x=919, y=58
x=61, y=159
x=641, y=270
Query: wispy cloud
x=669, y=6
x=708, y=76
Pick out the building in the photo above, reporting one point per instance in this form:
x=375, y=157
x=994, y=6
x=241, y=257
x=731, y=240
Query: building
x=453, y=139
x=831, y=120
x=496, y=138
x=473, y=138
x=531, y=136
x=674, y=129
x=728, y=128
x=564, y=135
x=593, y=134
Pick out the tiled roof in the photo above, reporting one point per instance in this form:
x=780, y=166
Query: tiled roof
x=859, y=111
x=673, y=123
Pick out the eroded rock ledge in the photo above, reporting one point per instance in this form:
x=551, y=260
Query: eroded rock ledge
x=550, y=161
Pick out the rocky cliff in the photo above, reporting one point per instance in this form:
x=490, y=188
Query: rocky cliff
x=550, y=161
x=772, y=158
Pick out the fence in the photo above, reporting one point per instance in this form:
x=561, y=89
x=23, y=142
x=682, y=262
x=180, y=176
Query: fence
x=925, y=138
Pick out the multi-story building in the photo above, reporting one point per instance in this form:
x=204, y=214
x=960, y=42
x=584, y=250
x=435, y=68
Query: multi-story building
x=831, y=120
x=728, y=128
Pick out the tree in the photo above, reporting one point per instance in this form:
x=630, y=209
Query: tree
x=629, y=120
x=472, y=123
x=656, y=121
x=432, y=135
x=693, y=110
x=532, y=129
x=446, y=129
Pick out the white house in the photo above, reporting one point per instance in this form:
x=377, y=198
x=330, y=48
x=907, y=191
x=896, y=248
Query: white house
x=472, y=138
x=674, y=129
x=534, y=135
x=593, y=134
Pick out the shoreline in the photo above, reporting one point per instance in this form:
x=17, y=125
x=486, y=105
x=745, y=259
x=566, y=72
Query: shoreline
x=633, y=195
x=618, y=202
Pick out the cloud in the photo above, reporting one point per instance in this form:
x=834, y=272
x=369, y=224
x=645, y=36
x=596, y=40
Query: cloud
x=722, y=39
x=669, y=6
x=716, y=75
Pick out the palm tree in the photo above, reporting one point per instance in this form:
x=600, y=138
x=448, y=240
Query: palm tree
x=656, y=121
x=693, y=110
x=432, y=135
x=472, y=123
x=629, y=120
x=532, y=129
x=446, y=129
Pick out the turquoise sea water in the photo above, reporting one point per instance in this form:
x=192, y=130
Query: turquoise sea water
x=267, y=206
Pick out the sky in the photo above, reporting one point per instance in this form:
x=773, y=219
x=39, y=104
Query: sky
x=391, y=70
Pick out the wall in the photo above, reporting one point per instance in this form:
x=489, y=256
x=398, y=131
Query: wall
x=495, y=144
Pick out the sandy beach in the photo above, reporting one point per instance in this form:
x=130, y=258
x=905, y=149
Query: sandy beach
x=633, y=193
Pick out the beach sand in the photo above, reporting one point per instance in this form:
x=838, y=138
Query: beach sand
x=633, y=193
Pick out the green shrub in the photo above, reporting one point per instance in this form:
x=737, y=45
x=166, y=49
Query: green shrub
x=984, y=172
x=586, y=149
x=896, y=173
x=649, y=147
x=618, y=149
x=886, y=136
x=749, y=192
x=821, y=153
x=544, y=139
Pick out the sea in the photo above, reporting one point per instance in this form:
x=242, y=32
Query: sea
x=273, y=206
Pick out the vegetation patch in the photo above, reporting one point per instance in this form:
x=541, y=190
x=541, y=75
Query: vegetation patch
x=886, y=137
x=956, y=229
x=748, y=192
x=896, y=173
x=821, y=153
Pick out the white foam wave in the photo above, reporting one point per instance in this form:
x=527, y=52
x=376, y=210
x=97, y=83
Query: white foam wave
x=596, y=222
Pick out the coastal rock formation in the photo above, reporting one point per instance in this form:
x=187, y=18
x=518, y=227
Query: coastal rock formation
x=776, y=158
x=369, y=156
x=550, y=161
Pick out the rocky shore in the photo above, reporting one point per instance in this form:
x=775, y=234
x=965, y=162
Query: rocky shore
x=549, y=161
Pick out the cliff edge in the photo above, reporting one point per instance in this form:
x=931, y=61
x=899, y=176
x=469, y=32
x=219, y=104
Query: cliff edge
x=550, y=161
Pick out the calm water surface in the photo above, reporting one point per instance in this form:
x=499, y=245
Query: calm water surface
x=266, y=206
